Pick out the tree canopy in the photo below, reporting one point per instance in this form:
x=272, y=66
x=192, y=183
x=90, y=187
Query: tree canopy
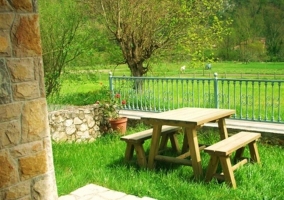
x=138, y=32
x=141, y=28
x=62, y=38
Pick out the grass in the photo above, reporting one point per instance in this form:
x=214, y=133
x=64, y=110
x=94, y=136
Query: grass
x=101, y=162
x=80, y=84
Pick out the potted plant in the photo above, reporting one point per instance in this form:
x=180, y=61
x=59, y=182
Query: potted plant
x=110, y=110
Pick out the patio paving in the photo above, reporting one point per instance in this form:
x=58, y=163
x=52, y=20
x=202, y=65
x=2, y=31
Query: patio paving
x=96, y=192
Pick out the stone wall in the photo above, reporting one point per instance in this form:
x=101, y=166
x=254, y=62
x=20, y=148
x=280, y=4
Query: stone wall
x=26, y=162
x=76, y=124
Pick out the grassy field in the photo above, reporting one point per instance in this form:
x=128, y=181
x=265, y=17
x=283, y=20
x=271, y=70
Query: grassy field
x=102, y=163
x=254, y=69
x=80, y=84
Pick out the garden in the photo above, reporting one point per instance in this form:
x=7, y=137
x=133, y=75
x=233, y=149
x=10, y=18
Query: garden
x=102, y=162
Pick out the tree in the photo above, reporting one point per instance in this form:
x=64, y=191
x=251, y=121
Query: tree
x=61, y=22
x=256, y=30
x=274, y=27
x=142, y=27
x=206, y=28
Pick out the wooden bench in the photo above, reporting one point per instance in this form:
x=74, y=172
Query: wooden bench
x=135, y=142
x=222, y=151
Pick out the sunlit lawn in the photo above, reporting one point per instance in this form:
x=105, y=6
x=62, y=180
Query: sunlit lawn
x=102, y=163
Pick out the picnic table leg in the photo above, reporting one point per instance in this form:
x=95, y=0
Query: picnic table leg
x=154, y=145
x=191, y=135
x=222, y=128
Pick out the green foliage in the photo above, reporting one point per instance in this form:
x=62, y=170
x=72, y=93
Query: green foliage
x=110, y=102
x=206, y=29
x=254, y=21
x=78, y=94
x=64, y=38
x=195, y=32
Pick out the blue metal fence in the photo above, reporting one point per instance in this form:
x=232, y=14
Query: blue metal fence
x=255, y=100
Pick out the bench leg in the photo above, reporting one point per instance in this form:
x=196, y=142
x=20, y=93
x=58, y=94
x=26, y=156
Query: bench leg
x=164, y=142
x=254, y=152
x=239, y=154
x=129, y=152
x=173, y=139
x=228, y=171
x=174, y=142
x=212, y=167
x=185, y=147
x=141, y=156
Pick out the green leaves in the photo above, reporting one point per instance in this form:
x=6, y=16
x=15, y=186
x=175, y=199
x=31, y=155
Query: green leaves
x=63, y=40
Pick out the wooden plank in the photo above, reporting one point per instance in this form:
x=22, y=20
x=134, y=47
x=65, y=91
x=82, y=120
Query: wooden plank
x=193, y=116
x=240, y=163
x=254, y=152
x=220, y=176
x=174, y=143
x=222, y=129
x=128, y=152
x=173, y=160
x=228, y=171
x=147, y=134
x=154, y=145
x=238, y=143
x=137, y=136
x=191, y=134
x=212, y=167
x=231, y=144
x=141, y=157
x=187, y=154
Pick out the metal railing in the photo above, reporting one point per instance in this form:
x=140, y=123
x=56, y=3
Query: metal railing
x=255, y=100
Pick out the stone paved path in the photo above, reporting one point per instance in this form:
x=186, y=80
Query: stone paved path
x=96, y=192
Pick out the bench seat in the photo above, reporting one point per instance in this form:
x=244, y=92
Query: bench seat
x=222, y=151
x=135, y=142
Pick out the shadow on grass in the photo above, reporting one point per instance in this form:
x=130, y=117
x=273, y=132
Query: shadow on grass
x=183, y=172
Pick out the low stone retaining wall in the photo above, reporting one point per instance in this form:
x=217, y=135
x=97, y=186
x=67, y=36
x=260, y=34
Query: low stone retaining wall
x=76, y=124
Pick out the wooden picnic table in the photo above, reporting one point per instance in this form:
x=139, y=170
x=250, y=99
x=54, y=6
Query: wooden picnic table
x=190, y=119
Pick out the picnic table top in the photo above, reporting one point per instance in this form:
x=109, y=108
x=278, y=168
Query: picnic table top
x=196, y=116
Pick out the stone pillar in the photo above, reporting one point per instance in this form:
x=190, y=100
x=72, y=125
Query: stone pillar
x=26, y=162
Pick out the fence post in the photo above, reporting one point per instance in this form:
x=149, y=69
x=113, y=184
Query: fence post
x=110, y=84
x=216, y=90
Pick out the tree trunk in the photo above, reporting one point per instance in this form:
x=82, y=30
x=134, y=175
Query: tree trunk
x=137, y=70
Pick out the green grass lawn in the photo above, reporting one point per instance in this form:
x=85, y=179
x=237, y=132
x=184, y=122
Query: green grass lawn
x=102, y=163
x=80, y=85
x=173, y=69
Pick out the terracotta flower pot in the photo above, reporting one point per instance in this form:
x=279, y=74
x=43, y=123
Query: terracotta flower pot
x=119, y=125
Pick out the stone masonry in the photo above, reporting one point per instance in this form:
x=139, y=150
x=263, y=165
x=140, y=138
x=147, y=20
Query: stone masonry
x=26, y=162
x=76, y=124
